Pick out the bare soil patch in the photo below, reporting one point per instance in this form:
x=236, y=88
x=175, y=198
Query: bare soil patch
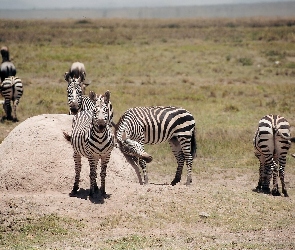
x=37, y=174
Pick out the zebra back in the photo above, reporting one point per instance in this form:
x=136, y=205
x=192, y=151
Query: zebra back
x=158, y=124
x=273, y=130
x=12, y=88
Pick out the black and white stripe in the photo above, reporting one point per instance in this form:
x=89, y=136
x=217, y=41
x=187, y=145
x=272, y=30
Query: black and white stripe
x=12, y=90
x=271, y=143
x=76, y=100
x=92, y=137
x=154, y=125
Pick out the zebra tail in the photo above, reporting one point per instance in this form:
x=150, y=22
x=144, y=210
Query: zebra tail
x=67, y=136
x=194, y=145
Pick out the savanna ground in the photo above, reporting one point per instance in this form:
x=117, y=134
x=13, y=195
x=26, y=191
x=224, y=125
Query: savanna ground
x=227, y=72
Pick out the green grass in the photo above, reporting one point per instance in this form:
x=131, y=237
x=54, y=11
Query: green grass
x=223, y=71
x=30, y=233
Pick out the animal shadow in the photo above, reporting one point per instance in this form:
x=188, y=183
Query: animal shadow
x=84, y=195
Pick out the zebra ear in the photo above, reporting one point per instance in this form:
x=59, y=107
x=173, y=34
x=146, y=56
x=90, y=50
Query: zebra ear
x=124, y=136
x=83, y=76
x=107, y=96
x=67, y=75
x=92, y=96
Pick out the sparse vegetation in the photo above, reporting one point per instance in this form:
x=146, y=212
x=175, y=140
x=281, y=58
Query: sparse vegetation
x=223, y=71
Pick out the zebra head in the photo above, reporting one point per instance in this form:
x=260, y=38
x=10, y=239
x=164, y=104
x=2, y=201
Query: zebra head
x=134, y=148
x=74, y=94
x=5, y=54
x=102, y=112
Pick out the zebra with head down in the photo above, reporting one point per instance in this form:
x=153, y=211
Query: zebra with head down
x=7, y=68
x=12, y=90
x=154, y=125
x=271, y=142
x=77, y=70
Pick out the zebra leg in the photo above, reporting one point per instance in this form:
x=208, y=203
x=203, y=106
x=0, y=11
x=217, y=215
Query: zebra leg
x=7, y=109
x=282, y=178
x=14, y=117
x=77, y=160
x=103, y=173
x=275, y=189
x=93, y=185
x=176, y=149
x=267, y=173
x=260, y=181
x=142, y=164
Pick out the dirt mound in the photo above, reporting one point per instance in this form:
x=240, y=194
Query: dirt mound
x=36, y=157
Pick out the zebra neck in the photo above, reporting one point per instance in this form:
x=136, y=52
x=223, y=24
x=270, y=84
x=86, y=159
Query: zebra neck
x=97, y=134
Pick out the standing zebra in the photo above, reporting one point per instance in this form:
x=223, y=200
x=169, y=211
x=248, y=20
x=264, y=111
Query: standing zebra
x=154, y=125
x=76, y=100
x=77, y=70
x=271, y=143
x=12, y=90
x=7, y=68
x=92, y=137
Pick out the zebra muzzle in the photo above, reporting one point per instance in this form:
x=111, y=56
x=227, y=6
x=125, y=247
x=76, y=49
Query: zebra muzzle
x=145, y=156
x=74, y=108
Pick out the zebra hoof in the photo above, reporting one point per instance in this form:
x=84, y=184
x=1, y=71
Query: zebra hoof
x=93, y=192
x=266, y=190
x=103, y=193
x=176, y=180
x=188, y=182
x=275, y=192
x=285, y=193
x=73, y=193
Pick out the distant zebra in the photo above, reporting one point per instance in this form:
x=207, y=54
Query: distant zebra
x=12, y=90
x=92, y=137
x=76, y=100
x=271, y=143
x=154, y=125
x=7, y=68
x=77, y=70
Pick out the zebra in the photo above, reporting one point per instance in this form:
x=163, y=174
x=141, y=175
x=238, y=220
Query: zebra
x=93, y=138
x=271, y=144
x=7, y=68
x=77, y=70
x=76, y=100
x=154, y=125
x=12, y=90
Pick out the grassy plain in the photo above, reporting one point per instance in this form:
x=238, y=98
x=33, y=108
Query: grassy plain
x=227, y=72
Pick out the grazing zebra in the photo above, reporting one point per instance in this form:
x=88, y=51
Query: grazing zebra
x=76, y=100
x=7, y=68
x=92, y=137
x=77, y=70
x=154, y=125
x=12, y=90
x=271, y=143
